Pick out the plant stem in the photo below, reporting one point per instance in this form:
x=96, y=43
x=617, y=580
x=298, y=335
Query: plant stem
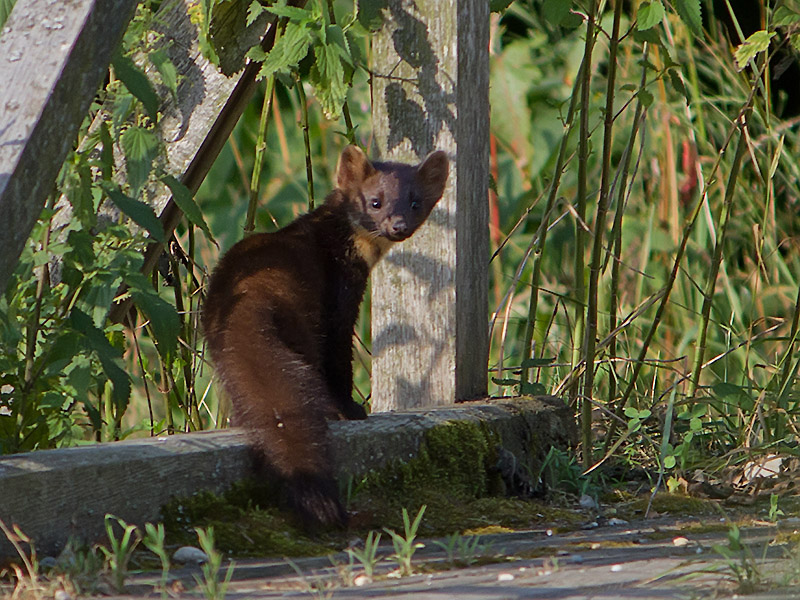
x=616, y=234
x=261, y=146
x=538, y=242
x=580, y=223
x=662, y=307
x=304, y=112
x=708, y=294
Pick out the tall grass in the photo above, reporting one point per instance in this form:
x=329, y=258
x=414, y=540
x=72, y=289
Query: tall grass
x=680, y=198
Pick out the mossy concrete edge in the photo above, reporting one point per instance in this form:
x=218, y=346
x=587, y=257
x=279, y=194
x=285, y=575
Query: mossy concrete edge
x=54, y=494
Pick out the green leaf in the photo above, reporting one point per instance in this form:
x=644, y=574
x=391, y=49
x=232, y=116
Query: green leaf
x=555, y=11
x=532, y=389
x=167, y=70
x=163, y=317
x=108, y=355
x=106, y=151
x=650, y=14
x=291, y=12
x=669, y=462
x=139, y=212
x=288, y=51
x=631, y=412
x=328, y=79
x=184, y=199
x=141, y=148
x=505, y=382
x=537, y=362
x=646, y=97
x=257, y=54
x=254, y=11
x=137, y=83
x=677, y=84
x=499, y=5
x=5, y=10
x=752, y=47
x=689, y=12
x=784, y=16
x=648, y=35
x=370, y=14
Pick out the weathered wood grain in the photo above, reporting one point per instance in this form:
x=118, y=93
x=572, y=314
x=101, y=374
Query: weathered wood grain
x=430, y=298
x=53, y=56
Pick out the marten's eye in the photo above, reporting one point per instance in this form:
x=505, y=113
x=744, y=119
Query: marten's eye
x=375, y=203
x=414, y=205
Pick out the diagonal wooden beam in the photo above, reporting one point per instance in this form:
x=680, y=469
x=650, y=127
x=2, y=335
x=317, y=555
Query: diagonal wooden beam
x=54, y=56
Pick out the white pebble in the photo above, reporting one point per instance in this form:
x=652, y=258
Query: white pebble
x=187, y=555
x=505, y=577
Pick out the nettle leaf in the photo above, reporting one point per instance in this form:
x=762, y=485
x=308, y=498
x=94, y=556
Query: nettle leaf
x=650, y=14
x=677, y=84
x=5, y=10
x=784, y=16
x=555, y=11
x=291, y=12
x=137, y=83
x=288, y=51
x=370, y=13
x=185, y=201
x=141, y=147
x=645, y=97
x=499, y=5
x=109, y=356
x=139, y=212
x=537, y=362
x=752, y=46
x=167, y=70
x=328, y=79
x=254, y=11
x=164, y=320
x=532, y=389
x=257, y=54
x=690, y=13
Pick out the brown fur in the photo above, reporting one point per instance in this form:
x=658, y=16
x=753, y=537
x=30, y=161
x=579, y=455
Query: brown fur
x=280, y=312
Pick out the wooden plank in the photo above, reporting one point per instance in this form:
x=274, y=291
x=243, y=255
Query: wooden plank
x=53, y=57
x=52, y=494
x=430, y=294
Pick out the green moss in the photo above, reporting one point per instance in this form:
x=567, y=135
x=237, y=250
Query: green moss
x=458, y=457
x=246, y=522
x=453, y=474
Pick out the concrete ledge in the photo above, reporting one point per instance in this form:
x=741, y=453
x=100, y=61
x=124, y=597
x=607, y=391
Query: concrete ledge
x=52, y=494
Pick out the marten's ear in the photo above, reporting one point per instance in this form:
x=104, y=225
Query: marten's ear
x=353, y=168
x=432, y=176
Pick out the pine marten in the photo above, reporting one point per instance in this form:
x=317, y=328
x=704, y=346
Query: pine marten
x=280, y=312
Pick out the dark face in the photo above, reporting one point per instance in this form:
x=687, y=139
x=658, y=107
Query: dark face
x=392, y=202
x=391, y=199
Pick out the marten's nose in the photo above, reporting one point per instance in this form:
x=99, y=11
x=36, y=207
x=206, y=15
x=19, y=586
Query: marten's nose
x=399, y=227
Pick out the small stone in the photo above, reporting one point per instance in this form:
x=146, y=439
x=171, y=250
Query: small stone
x=616, y=568
x=587, y=502
x=505, y=577
x=680, y=542
x=62, y=595
x=617, y=522
x=361, y=580
x=189, y=555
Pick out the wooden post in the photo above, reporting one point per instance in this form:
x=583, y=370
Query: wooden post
x=430, y=294
x=54, y=57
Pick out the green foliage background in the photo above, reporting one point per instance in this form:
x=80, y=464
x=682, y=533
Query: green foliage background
x=643, y=220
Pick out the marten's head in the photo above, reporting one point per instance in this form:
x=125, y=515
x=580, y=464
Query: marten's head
x=390, y=200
